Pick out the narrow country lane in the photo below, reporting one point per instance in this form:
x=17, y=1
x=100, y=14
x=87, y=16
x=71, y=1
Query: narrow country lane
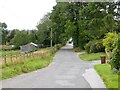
x=66, y=71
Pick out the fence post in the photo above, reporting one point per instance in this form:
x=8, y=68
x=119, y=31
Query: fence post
x=16, y=59
x=23, y=55
x=11, y=58
x=5, y=59
x=31, y=55
x=27, y=55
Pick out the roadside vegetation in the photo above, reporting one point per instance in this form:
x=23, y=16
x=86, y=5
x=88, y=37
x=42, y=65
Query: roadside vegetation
x=9, y=52
x=29, y=65
x=110, y=78
x=90, y=56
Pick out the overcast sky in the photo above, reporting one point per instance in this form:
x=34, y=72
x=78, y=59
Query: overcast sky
x=24, y=14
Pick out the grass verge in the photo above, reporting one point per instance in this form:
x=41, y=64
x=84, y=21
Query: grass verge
x=110, y=79
x=9, y=53
x=91, y=56
x=26, y=67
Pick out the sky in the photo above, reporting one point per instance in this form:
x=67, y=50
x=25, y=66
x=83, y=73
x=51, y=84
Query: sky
x=24, y=14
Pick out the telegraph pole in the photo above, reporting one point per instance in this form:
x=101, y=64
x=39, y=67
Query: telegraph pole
x=51, y=38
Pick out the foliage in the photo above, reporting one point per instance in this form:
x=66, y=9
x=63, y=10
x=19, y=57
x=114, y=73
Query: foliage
x=94, y=46
x=73, y=20
x=3, y=25
x=115, y=60
x=69, y=28
x=3, y=33
x=111, y=80
x=58, y=46
x=97, y=46
x=43, y=33
x=20, y=38
x=9, y=53
x=30, y=65
x=83, y=21
x=33, y=65
x=108, y=42
x=91, y=56
x=77, y=49
x=87, y=46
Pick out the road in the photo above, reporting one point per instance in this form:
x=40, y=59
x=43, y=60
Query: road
x=66, y=71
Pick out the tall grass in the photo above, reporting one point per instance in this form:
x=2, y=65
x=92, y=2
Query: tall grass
x=28, y=65
x=25, y=67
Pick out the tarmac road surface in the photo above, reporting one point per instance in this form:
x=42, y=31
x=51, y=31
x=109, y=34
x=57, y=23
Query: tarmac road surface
x=66, y=71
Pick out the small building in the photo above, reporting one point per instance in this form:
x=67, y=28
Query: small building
x=28, y=47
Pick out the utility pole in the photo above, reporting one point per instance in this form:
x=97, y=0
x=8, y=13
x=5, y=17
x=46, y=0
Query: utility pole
x=51, y=38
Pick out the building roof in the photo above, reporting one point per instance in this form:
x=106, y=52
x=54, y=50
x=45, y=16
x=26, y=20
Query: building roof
x=34, y=44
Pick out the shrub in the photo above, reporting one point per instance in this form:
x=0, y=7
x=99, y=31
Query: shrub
x=28, y=68
x=94, y=46
x=87, y=46
x=97, y=46
x=77, y=49
x=58, y=46
x=108, y=42
x=115, y=60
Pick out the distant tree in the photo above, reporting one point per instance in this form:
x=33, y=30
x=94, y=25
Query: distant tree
x=33, y=36
x=11, y=34
x=4, y=25
x=44, y=28
x=3, y=33
x=20, y=38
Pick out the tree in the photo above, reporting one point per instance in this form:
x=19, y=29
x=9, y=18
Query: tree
x=59, y=17
x=43, y=33
x=20, y=38
x=33, y=36
x=11, y=35
x=3, y=33
x=82, y=21
x=4, y=25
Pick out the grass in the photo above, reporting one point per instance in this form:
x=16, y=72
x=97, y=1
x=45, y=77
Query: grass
x=14, y=52
x=26, y=67
x=91, y=56
x=8, y=53
x=110, y=79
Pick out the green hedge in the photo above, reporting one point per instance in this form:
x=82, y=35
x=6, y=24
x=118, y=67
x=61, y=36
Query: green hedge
x=94, y=46
x=115, y=59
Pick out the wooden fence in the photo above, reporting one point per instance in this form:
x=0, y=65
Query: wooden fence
x=20, y=58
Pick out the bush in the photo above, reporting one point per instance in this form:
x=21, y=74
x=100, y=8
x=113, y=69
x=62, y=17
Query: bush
x=94, y=46
x=115, y=60
x=87, y=46
x=108, y=42
x=58, y=46
x=77, y=49
x=97, y=46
